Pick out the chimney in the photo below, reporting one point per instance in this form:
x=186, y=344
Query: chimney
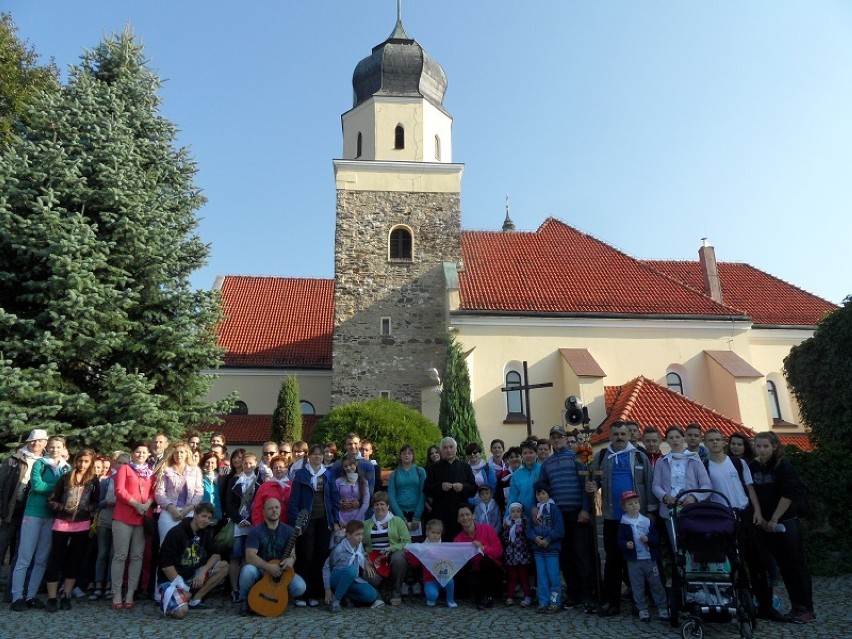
x=707, y=259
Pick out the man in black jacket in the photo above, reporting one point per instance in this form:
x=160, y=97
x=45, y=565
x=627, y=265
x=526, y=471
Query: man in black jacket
x=449, y=483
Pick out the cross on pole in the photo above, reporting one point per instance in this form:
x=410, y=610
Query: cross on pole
x=526, y=387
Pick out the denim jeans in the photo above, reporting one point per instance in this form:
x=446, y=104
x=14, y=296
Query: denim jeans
x=250, y=575
x=33, y=553
x=344, y=584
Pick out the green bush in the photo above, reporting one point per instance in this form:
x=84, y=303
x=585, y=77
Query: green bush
x=386, y=423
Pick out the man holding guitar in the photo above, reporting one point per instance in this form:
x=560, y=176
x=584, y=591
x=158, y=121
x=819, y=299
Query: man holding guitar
x=270, y=555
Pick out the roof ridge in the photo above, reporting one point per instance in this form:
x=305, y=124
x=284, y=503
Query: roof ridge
x=693, y=289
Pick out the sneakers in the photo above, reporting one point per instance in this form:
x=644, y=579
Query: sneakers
x=313, y=603
x=452, y=604
x=510, y=602
x=301, y=603
x=416, y=590
x=431, y=604
x=19, y=605
x=201, y=607
x=645, y=616
x=526, y=602
x=65, y=603
x=802, y=616
x=35, y=603
x=335, y=606
x=404, y=590
x=51, y=605
x=78, y=593
x=664, y=616
x=378, y=603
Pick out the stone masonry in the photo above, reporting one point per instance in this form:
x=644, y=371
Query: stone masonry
x=369, y=286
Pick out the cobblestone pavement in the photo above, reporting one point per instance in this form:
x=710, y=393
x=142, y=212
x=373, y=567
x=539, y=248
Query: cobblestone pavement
x=96, y=620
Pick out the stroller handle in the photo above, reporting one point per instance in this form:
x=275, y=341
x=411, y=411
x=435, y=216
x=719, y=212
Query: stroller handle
x=713, y=491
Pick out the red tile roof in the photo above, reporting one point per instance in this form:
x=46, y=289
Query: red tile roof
x=557, y=269
x=254, y=429
x=767, y=299
x=799, y=440
x=277, y=321
x=647, y=403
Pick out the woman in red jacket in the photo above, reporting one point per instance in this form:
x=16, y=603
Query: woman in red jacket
x=134, y=494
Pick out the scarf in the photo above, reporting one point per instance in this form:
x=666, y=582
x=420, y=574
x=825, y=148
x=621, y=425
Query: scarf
x=611, y=452
x=515, y=526
x=357, y=554
x=56, y=465
x=381, y=525
x=476, y=468
x=544, y=509
x=283, y=481
x=142, y=470
x=315, y=474
x=27, y=453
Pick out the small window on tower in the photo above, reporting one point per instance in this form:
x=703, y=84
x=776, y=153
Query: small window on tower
x=400, y=244
x=386, y=326
x=399, y=137
x=385, y=394
x=359, y=145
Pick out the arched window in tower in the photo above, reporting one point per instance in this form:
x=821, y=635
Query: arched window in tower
x=399, y=137
x=674, y=382
x=437, y=148
x=774, y=405
x=399, y=245
x=359, y=145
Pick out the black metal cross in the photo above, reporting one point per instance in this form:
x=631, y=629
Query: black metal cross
x=526, y=387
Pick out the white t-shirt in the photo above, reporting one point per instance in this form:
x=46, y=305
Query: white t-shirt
x=726, y=480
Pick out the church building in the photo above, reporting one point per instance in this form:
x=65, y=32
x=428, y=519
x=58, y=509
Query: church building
x=655, y=341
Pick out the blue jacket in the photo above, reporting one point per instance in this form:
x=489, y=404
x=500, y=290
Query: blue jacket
x=561, y=473
x=302, y=496
x=551, y=528
x=490, y=480
x=521, y=487
x=625, y=534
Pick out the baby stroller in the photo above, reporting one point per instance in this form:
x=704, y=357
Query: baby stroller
x=708, y=582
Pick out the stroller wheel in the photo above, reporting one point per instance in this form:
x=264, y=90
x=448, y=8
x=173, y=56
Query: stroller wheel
x=746, y=631
x=691, y=629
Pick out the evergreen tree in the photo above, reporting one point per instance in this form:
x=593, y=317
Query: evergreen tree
x=22, y=79
x=102, y=338
x=287, y=418
x=456, y=418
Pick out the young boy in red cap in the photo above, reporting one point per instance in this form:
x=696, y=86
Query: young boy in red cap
x=637, y=537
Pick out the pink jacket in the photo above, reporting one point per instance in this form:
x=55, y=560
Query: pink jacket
x=171, y=483
x=491, y=545
x=129, y=485
x=266, y=490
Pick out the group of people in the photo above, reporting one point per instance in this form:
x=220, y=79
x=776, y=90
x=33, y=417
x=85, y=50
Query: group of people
x=183, y=521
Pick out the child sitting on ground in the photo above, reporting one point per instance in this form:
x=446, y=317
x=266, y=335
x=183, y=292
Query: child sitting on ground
x=545, y=532
x=638, y=539
x=342, y=572
x=517, y=555
x=487, y=511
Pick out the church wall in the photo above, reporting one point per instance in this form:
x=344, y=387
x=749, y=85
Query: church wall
x=622, y=349
x=258, y=388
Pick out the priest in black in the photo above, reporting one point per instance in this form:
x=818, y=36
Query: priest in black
x=449, y=483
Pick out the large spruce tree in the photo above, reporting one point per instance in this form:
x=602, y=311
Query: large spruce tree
x=102, y=337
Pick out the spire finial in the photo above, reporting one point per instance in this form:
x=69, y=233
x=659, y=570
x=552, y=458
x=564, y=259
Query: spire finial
x=399, y=10
x=508, y=224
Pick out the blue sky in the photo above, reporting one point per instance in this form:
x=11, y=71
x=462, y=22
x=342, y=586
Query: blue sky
x=646, y=124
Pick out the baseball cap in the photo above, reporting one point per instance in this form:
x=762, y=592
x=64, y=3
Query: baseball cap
x=557, y=430
x=629, y=494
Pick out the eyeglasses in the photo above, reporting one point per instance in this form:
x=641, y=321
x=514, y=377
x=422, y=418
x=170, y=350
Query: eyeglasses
x=269, y=452
x=285, y=452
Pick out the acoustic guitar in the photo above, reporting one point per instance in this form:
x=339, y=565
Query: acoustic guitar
x=269, y=596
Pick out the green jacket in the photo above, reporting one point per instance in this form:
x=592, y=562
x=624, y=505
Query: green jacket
x=42, y=481
x=398, y=533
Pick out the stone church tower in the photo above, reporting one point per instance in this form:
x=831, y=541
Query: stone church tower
x=398, y=223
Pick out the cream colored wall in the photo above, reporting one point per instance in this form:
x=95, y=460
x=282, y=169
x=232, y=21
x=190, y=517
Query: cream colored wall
x=623, y=349
x=723, y=387
x=259, y=390
x=377, y=120
x=768, y=349
x=405, y=177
